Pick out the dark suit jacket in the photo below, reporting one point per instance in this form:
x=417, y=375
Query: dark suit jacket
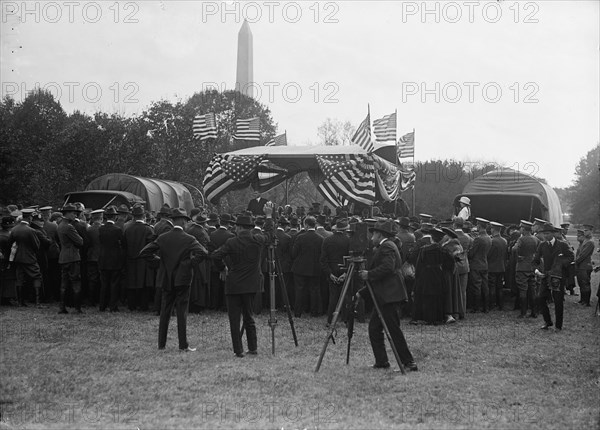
x=112, y=247
x=479, y=251
x=256, y=206
x=28, y=243
x=162, y=226
x=497, y=255
x=284, y=250
x=70, y=242
x=553, y=259
x=177, y=251
x=51, y=230
x=333, y=251
x=93, y=235
x=306, y=253
x=526, y=247
x=242, y=254
x=384, y=274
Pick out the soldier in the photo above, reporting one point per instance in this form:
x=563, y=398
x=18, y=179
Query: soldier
x=478, y=266
x=583, y=262
x=462, y=265
x=93, y=253
x=110, y=260
x=178, y=251
x=136, y=237
x=552, y=256
x=525, y=249
x=52, y=275
x=497, y=265
x=70, y=259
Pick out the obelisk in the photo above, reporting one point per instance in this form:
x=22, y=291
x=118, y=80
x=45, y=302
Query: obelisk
x=245, y=75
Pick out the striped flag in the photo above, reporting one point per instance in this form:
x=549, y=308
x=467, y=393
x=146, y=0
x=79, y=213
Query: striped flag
x=247, y=129
x=406, y=145
x=352, y=176
x=205, y=127
x=280, y=140
x=227, y=170
x=385, y=128
x=362, y=137
x=270, y=175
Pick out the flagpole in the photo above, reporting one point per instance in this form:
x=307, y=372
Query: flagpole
x=397, y=163
x=286, y=179
x=415, y=183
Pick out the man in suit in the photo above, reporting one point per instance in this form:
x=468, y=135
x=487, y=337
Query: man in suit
x=69, y=258
x=136, y=237
x=111, y=260
x=178, y=251
x=388, y=288
x=496, y=265
x=333, y=250
x=553, y=257
x=583, y=262
x=526, y=247
x=478, y=266
x=217, y=285
x=27, y=243
x=241, y=256
x=257, y=204
x=462, y=265
x=306, y=253
x=93, y=252
x=52, y=275
x=283, y=255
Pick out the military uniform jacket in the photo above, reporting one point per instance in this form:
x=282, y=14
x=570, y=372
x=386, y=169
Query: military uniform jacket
x=28, y=243
x=177, y=251
x=583, y=257
x=93, y=235
x=553, y=259
x=334, y=249
x=242, y=255
x=112, y=247
x=306, y=254
x=384, y=274
x=466, y=241
x=479, y=252
x=496, y=257
x=51, y=230
x=70, y=242
x=526, y=247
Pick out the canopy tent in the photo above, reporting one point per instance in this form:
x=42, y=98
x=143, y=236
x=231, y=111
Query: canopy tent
x=342, y=174
x=507, y=196
x=100, y=199
x=155, y=192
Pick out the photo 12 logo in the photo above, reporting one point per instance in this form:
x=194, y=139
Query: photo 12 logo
x=69, y=11
x=452, y=12
x=471, y=92
x=73, y=92
x=289, y=92
x=271, y=11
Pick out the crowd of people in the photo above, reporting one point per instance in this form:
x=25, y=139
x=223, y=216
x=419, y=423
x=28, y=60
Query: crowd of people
x=122, y=256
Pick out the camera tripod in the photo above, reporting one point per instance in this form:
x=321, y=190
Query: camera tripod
x=354, y=264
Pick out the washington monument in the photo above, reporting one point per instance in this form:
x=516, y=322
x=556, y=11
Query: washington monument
x=244, y=82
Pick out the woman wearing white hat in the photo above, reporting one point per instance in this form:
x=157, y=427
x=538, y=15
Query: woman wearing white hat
x=465, y=208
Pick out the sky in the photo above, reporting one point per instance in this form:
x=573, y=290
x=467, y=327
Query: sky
x=505, y=82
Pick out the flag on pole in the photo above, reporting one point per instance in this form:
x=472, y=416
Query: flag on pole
x=385, y=128
x=352, y=176
x=247, y=129
x=362, y=137
x=226, y=170
x=280, y=140
x=406, y=145
x=205, y=127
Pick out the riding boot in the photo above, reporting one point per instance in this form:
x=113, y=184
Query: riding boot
x=63, y=307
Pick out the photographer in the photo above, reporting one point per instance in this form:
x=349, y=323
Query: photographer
x=384, y=276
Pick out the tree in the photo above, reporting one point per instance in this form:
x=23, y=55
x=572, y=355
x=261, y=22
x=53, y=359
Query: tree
x=585, y=192
x=335, y=132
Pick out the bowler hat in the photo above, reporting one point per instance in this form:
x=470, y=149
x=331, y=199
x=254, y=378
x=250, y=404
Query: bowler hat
x=225, y=218
x=179, y=213
x=123, y=209
x=341, y=225
x=213, y=218
x=385, y=226
x=404, y=222
x=245, y=220
x=69, y=207
x=165, y=210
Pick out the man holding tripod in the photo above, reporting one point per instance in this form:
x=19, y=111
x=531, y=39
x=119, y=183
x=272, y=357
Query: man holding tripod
x=388, y=287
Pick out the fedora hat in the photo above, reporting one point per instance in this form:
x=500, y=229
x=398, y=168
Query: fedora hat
x=385, y=226
x=245, y=220
x=165, y=210
x=225, y=218
x=111, y=210
x=179, y=213
x=70, y=207
x=341, y=225
x=404, y=222
x=137, y=210
x=465, y=200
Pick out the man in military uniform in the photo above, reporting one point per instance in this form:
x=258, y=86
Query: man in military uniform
x=462, y=265
x=583, y=262
x=93, y=252
x=111, y=260
x=70, y=259
x=478, y=265
x=52, y=274
x=526, y=247
x=497, y=265
x=136, y=237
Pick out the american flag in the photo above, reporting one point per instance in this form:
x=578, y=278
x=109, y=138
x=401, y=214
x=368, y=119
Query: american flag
x=205, y=127
x=406, y=145
x=352, y=176
x=270, y=175
x=385, y=128
x=227, y=170
x=362, y=137
x=391, y=179
x=247, y=129
x=280, y=140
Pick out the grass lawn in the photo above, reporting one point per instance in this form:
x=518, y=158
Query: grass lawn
x=102, y=370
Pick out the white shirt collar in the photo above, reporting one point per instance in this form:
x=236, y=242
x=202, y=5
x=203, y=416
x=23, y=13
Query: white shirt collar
x=110, y=221
x=178, y=227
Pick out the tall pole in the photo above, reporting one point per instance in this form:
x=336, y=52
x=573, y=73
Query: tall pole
x=415, y=183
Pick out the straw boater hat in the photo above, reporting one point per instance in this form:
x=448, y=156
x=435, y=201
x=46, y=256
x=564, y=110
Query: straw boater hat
x=465, y=200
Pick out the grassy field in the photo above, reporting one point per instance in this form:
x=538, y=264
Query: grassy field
x=101, y=370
